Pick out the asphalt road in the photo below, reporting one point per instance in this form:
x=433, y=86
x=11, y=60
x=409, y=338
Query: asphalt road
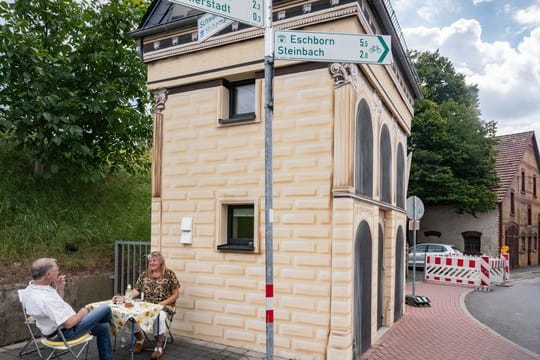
x=513, y=311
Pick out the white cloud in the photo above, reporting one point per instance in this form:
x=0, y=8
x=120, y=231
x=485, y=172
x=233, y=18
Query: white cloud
x=529, y=16
x=476, y=2
x=425, y=11
x=508, y=77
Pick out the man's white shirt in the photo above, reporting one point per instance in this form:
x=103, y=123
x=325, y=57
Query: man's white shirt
x=47, y=307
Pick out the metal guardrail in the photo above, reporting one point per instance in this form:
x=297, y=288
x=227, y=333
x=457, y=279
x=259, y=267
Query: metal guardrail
x=395, y=22
x=129, y=261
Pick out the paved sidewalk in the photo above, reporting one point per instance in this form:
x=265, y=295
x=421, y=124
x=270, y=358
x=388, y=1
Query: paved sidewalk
x=443, y=331
x=446, y=330
x=183, y=348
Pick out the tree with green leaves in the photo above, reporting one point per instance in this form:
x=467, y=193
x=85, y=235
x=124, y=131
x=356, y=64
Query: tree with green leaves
x=72, y=89
x=453, y=153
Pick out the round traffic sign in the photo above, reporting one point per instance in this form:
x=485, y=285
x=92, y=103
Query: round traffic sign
x=415, y=208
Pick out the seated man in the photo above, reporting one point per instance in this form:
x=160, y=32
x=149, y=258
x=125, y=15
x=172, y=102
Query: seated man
x=45, y=303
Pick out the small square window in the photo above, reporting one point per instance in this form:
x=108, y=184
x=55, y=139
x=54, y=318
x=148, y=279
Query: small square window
x=239, y=227
x=241, y=102
x=242, y=99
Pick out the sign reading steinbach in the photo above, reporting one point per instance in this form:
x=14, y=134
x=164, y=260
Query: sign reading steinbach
x=340, y=47
x=246, y=11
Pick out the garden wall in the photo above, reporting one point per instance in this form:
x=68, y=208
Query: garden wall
x=80, y=291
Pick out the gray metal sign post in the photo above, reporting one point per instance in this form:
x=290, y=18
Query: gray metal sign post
x=268, y=203
x=415, y=211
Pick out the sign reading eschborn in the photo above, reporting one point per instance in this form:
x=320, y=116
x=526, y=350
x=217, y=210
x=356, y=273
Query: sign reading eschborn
x=340, y=47
x=246, y=11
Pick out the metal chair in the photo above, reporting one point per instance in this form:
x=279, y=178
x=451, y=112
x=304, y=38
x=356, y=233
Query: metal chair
x=169, y=335
x=168, y=321
x=34, y=332
x=59, y=346
x=67, y=346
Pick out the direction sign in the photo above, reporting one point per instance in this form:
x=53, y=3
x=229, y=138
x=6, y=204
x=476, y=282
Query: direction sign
x=246, y=11
x=209, y=24
x=323, y=46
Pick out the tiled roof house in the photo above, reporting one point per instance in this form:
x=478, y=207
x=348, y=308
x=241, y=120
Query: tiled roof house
x=516, y=220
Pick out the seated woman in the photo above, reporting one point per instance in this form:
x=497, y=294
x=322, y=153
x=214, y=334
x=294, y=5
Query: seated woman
x=158, y=285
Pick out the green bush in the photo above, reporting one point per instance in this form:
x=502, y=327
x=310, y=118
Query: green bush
x=74, y=222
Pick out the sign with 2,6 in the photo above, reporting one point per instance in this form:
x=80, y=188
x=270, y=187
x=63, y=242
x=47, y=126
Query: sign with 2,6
x=246, y=11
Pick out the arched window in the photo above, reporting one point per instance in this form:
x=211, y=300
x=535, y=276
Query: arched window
x=400, y=177
x=364, y=150
x=386, y=165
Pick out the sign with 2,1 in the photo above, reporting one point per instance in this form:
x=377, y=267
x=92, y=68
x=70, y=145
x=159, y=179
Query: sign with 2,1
x=247, y=11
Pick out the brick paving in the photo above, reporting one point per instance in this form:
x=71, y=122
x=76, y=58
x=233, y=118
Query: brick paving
x=443, y=331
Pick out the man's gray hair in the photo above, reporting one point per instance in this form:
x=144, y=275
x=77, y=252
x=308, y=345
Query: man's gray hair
x=41, y=267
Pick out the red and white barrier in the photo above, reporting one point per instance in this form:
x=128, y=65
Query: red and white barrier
x=477, y=271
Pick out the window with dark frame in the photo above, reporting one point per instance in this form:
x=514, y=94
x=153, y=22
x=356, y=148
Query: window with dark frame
x=529, y=215
x=534, y=186
x=240, y=228
x=523, y=182
x=471, y=246
x=241, y=101
x=512, y=204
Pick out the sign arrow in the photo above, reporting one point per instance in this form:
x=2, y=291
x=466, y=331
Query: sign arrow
x=386, y=49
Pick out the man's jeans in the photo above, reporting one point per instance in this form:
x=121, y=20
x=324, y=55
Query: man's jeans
x=98, y=323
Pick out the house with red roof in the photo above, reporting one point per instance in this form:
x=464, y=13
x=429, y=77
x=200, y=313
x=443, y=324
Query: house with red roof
x=515, y=221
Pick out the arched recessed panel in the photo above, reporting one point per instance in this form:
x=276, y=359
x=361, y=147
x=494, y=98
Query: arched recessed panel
x=400, y=177
x=400, y=270
x=385, y=157
x=364, y=150
x=362, y=288
x=380, y=278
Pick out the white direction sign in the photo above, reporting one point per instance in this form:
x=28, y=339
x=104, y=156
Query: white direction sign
x=246, y=11
x=209, y=24
x=340, y=47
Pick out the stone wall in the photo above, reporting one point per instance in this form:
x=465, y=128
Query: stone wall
x=81, y=290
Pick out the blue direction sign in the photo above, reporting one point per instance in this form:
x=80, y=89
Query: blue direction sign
x=246, y=11
x=340, y=47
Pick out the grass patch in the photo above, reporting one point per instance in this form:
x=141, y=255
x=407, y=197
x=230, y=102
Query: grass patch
x=73, y=222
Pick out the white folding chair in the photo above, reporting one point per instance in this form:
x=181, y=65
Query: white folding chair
x=34, y=332
x=75, y=347
x=59, y=347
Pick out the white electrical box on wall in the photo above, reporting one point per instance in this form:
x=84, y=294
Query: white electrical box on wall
x=185, y=229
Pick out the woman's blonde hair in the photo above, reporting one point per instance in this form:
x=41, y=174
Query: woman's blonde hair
x=157, y=255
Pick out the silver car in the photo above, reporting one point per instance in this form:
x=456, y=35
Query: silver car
x=424, y=249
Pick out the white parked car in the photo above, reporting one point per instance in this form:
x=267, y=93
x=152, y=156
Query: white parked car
x=424, y=249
